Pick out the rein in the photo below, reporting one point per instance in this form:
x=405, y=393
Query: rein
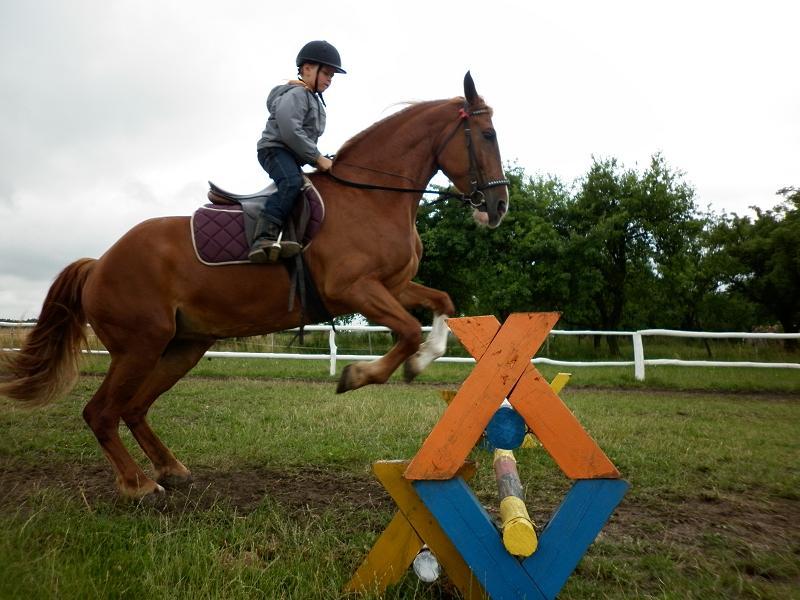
x=386, y=188
x=476, y=198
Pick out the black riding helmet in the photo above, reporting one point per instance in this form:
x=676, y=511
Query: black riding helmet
x=321, y=52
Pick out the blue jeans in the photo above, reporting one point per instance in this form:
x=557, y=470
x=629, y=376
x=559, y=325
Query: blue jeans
x=284, y=170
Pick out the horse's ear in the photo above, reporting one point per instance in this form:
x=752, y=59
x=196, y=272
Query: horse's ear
x=470, y=93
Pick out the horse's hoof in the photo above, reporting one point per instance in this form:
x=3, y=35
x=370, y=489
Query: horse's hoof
x=173, y=480
x=145, y=494
x=155, y=499
x=345, y=383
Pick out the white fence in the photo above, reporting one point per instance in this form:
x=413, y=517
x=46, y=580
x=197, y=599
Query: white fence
x=639, y=362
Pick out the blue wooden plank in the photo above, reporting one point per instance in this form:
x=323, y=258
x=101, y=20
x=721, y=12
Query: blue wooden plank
x=472, y=532
x=572, y=529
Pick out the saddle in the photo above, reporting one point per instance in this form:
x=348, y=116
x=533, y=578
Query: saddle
x=223, y=231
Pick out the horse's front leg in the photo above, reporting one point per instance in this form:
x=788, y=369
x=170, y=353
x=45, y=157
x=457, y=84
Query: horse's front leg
x=419, y=296
x=374, y=301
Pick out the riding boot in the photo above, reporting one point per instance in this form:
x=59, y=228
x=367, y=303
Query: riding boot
x=265, y=247
x=268, y=245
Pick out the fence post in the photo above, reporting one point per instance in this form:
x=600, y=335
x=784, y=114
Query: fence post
x=638, y=357
x=332, y=348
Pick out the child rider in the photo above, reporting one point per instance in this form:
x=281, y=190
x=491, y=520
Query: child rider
x=289, y=141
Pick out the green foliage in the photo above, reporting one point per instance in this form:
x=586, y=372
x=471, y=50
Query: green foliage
x=628, y=236
x=764, y=258
x=619, y=249
x=505, y=270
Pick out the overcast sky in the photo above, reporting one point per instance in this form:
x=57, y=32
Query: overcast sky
x=115, y=111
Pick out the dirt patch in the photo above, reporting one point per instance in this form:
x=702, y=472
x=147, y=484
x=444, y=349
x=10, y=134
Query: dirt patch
x=758, y=524
x=304, y=489
x=244, y=489
x=761, y=525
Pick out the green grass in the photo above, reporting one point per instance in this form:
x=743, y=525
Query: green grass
x=712, y=512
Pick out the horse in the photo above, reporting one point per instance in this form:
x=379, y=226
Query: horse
x=157, y=309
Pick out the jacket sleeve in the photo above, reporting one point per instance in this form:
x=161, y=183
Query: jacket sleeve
x=290, y=110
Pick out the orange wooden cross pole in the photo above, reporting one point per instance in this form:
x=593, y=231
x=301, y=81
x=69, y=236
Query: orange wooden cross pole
x=507, y=355
x=410, y=528
x=560, y=433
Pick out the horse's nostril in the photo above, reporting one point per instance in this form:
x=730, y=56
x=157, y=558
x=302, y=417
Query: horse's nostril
x=501, y=207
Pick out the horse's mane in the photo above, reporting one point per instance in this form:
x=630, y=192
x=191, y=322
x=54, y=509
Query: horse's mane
x=412, y=108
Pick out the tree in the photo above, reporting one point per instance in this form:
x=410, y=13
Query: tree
x=621, y=248
x=512, y=268
x=627, y=233
x=767, y=255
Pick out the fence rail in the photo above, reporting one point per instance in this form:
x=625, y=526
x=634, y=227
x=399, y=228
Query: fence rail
x=639, y=361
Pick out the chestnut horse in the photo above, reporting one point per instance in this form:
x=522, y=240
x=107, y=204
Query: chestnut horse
x=157, y=309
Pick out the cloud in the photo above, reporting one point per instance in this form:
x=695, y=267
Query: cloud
x=21, y=298
x=111, y=113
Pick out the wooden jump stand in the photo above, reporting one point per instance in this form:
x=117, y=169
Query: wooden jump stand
x=437, y=507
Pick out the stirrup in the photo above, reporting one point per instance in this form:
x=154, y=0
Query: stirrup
x=276, y=249
x=269, y=251
x=264, y=251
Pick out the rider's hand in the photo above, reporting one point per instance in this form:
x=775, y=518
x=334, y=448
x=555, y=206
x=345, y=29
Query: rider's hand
x=324, y=163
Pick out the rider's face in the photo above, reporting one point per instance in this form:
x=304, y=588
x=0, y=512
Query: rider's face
x=321, y=74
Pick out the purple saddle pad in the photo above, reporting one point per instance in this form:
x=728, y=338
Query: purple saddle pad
x=218, y=234
x=221, y=232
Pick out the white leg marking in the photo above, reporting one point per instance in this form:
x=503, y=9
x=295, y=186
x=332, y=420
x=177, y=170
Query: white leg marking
x=433, y=347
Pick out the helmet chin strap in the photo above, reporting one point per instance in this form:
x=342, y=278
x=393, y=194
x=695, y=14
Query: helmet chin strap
x=316, y=86
x=315, y=89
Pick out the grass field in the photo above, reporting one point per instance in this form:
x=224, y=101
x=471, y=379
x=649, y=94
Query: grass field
x=283, y=504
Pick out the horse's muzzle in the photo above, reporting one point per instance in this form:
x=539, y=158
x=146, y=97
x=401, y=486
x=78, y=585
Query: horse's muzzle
x=497, y=207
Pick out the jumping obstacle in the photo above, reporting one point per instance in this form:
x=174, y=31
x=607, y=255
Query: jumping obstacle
x=437, y=507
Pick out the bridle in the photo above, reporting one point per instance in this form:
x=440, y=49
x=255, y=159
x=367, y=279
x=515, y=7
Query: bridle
x=475, y=198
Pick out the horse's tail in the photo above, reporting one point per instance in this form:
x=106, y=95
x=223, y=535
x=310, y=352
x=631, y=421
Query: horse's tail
x=46, y=367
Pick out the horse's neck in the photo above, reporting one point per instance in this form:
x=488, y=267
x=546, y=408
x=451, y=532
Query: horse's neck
x=398, y=151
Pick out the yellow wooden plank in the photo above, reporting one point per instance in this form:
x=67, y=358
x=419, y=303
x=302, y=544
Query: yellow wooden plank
x=390, y=474
x=448, y=395
x=559, y=381
x=389, y=558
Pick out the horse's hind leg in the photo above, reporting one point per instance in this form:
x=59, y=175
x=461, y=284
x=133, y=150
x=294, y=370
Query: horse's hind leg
x=103, y=413
x=177, y=360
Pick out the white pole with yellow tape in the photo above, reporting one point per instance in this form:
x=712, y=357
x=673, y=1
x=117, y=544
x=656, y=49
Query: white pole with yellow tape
x=519, y=536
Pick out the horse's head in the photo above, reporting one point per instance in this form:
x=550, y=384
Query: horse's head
x=472, y=161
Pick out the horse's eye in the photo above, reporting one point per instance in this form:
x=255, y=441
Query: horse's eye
x=489, y=134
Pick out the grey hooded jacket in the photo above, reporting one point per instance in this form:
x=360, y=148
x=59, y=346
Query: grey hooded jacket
x=296, y=121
